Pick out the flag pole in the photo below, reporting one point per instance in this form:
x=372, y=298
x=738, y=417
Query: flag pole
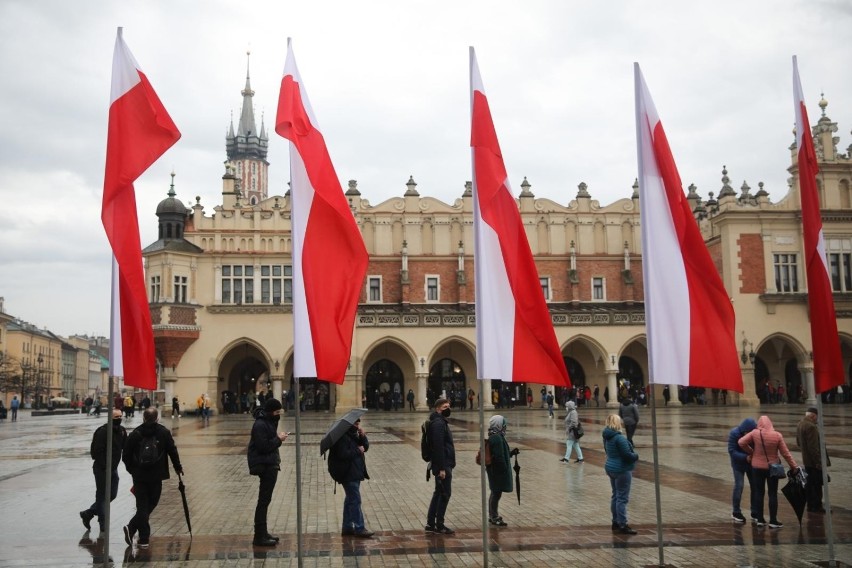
x=298, y=472
x=829, y=526
x=108, y=469
x=656, y=475
x=482, y=478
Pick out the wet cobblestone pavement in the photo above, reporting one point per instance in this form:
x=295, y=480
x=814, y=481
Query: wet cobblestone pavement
x=563, y=519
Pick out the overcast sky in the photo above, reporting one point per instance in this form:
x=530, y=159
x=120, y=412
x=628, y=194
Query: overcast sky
x=388, y=81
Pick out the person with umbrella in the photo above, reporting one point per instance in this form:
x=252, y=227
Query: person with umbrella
x=807, y=438
x=347, y=464
x=498, y=470
x=264, y=461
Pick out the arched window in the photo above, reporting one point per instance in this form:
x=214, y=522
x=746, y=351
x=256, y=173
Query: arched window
x=384, y=381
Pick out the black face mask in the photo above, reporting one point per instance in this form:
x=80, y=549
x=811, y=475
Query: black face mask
x=116, y=422
x=274, y=418
x=446, y=413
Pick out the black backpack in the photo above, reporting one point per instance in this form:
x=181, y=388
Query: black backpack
x=148, y=452
x=425, y=443
x=337, y=468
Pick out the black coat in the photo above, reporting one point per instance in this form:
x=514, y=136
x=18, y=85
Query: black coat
x=160, y=471
x=98, y=449
x=346, y=450
x=441, y=444
x=264, y=444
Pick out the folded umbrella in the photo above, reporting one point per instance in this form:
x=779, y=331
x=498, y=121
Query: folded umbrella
x=794, y=491
x=339, y=428
x=517, y=469
x=182, y=489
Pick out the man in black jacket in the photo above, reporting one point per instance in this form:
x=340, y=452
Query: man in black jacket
x=264, y=461
x=349, y=450
x=98, y=451
x=443, y=461
x=145, y=458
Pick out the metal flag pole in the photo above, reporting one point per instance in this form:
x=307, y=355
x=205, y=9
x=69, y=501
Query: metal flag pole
x=298, y=472
x=829, y=526
x=108, y=470
x=483, y=477
x=656, y=475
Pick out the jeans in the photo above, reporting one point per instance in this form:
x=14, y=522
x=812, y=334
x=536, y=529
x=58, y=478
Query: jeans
x=737, y=495
x=761, y=480
x=629, y=430
x=620, y=483
x=550, y=410
x=97, y=507
x=440, y=499
x=264, y=496
x=147, y=498
x=569, y=445
x=494, y=504
x=353, y=517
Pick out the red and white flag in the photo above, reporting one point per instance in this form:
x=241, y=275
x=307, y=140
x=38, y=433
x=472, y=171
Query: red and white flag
x=329, y=257
x=515, y=340
x=140, y=131
x=828, y=362
x=688, y=313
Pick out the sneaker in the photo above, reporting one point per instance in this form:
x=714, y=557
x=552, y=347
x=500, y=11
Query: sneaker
x=579, y=461
x=758, y=522
x=128, y=536
x=87, y=518
x=738, y=517
x=625, y=529
x=364, y=533
x=563, y=460
x=431, y=528
x=615, y=526
x=141, y=544
x=444, y=530
x=498, y=521
x=775, y=525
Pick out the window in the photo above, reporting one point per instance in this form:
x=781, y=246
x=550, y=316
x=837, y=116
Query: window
x=238, y=284
x=840, y=264
x=180, y=289
x=276, y=284
x=598, y=288
x=374, y=289
x=432, y=291
x=155, y=289
x=545, y=287
x=786, y=273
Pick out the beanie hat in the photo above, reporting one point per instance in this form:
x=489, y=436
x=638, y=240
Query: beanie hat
x=271, y=405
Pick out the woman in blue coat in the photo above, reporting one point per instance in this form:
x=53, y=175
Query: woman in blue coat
x=620, y=461
x=499, y=471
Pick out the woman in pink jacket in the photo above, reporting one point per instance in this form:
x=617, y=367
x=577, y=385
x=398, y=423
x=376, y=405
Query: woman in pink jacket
x=764, y=444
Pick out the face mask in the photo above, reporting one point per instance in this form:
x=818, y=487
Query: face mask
x=446, y=413
x=116, y=421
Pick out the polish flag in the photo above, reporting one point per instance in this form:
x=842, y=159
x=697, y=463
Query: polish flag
x=514, y=332
x=140, y=131
x=329, y=257
x=828, y=362
x=688, y=313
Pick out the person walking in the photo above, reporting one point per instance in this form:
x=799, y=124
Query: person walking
x=629, y=414
x=175, y=407
x=3, y=411
x=207, y=410
x=145, y=454
x=596, y=394
x=572, y=421
x=13, y=406
x=499, y=471
x=264, y=461
x=349, y=452
x=620, y=460
x=741, y=468
x=98, y=452
x=410, y=398
x=807, y=438
x=764, y=444
x=443, y=454
x=549, y=400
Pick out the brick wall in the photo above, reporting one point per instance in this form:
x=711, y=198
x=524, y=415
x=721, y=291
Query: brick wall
x=751, y=264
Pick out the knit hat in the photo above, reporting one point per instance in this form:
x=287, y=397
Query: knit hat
x=271, y=405
x=813, y=409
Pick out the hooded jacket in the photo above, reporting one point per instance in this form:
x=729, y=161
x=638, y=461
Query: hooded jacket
x=98, y=449
x=571, y=420
x=264, y=443
x=346, y=450
x=629, y=412
x=739, y=458
x=764, y=444
x=441, y=443
x=620, y=456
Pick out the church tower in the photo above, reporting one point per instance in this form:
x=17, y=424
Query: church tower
x=247, y=149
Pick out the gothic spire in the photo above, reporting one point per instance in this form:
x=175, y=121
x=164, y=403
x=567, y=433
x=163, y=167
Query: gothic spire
x=247, y=125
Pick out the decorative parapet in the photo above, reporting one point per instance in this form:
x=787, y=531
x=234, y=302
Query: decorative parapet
x=469, y=320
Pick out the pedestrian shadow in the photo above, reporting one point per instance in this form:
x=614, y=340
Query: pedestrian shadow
x=95, y=547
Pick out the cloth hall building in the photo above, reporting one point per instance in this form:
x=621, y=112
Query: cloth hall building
x=220, y=288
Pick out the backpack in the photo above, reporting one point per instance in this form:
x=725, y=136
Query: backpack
x=425, y=443
x=578, y=431
x=487, y=455
x=337, y=468
x=148, y=452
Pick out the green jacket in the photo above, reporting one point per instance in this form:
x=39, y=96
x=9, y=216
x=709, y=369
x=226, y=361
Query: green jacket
x=500, y=470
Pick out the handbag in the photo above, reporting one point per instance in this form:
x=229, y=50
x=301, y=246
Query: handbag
x=578, y=430
x=776, y=470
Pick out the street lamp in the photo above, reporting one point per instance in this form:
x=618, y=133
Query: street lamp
x=38, y=378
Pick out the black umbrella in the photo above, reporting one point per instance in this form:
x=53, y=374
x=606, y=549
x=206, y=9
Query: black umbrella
x=182, y=489
x=339, y=428
x=517, y=469
x=794, y=491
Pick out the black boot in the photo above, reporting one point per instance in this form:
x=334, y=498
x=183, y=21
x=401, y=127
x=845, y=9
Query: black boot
x=262, y=537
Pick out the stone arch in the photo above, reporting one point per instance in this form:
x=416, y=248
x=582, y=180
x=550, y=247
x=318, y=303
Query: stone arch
x=460, y=351
x=388, y=372
x=778, y=358
x=243, y=367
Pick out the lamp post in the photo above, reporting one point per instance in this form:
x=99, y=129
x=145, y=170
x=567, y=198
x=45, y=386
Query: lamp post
x=38, y=380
